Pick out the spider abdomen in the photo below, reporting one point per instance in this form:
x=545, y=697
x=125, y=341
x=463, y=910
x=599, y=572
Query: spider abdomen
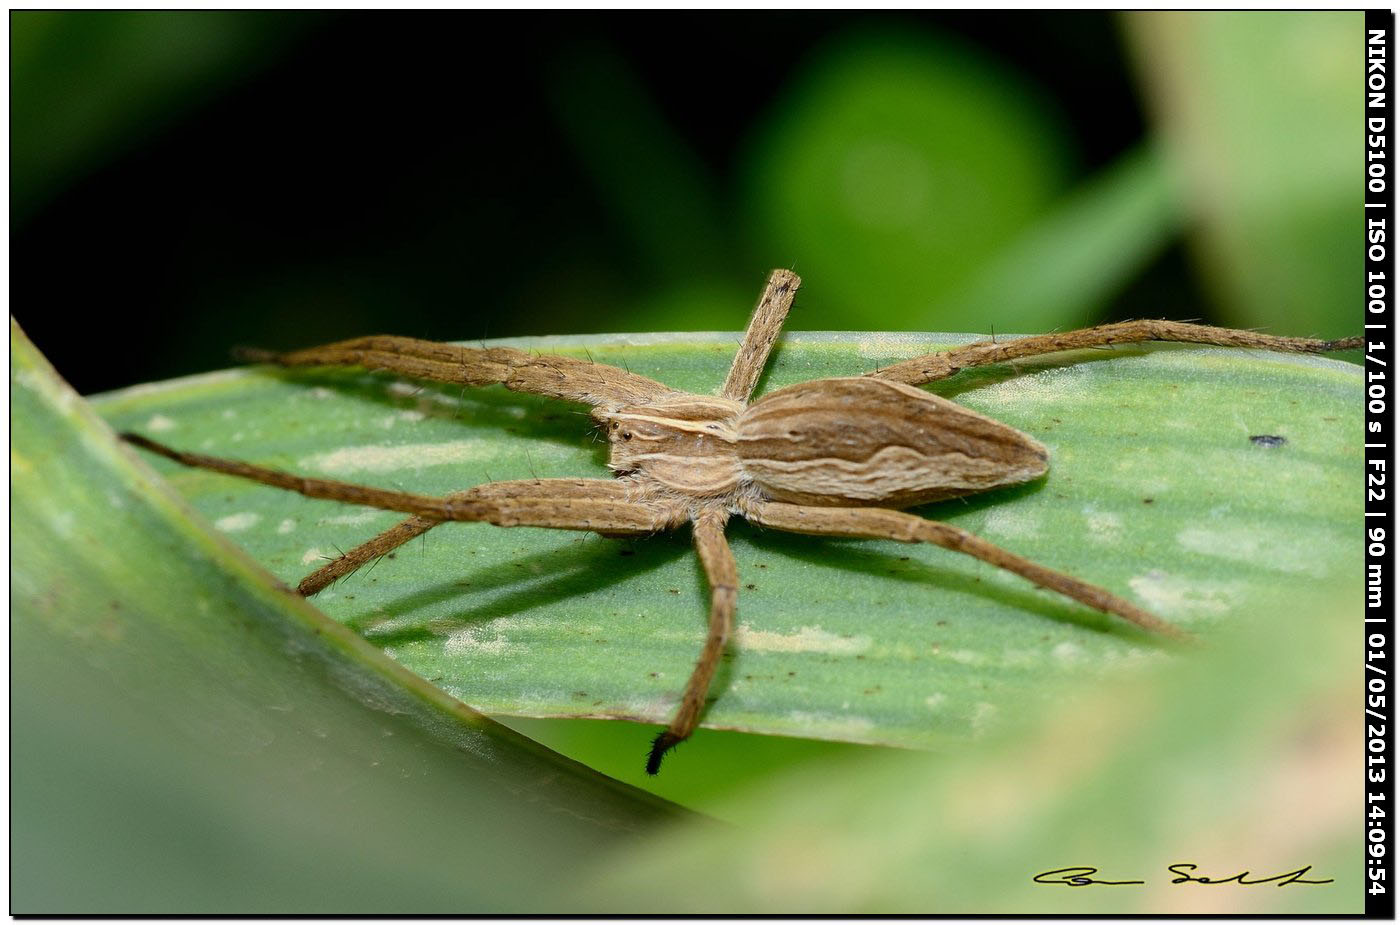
x=858, y=441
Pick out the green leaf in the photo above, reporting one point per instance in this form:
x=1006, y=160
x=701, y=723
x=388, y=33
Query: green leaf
x=895, y=164
x=1246, y=757
x=1260, y=114
x=1156, y=492
x=1068, y=263
x=187, y=736
x=656, y=186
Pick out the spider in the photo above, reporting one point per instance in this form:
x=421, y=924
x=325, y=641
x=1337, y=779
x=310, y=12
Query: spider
x=833, y=457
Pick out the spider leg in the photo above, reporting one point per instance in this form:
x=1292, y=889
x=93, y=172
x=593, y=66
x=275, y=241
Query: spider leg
x=598, y=506
x=723, y=576
x=552, y=376
x=397, y=535
x=879, y=523
x=934, y=366
x=763, y=330
x=349, y=562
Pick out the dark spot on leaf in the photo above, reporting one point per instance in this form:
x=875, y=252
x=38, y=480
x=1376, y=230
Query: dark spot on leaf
x=1267, y=440
x=751, y=587
x=942, y=623
x=580, y=694
x=1147, y=500
x=625, y=552
x=674, y=590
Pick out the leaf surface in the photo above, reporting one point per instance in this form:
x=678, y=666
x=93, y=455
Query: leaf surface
x=190, y=737
x=1156, y=491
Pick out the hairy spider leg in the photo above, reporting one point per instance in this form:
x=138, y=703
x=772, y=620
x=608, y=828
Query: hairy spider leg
x=932, y=367
x=594, y=384
x=763, y=330
x=368, y=551
x=525, y=503
x=883, y=524
x=552, y=489
x=722, y=573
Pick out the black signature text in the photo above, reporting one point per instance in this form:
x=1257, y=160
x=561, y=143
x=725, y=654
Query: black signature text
x=1183, y=873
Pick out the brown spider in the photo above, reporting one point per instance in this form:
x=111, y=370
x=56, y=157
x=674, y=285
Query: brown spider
x=834, y=457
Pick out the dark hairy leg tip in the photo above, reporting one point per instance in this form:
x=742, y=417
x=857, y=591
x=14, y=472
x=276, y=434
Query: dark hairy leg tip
x=663, y=743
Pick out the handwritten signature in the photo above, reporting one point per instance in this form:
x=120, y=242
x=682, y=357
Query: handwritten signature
x=1185, y=873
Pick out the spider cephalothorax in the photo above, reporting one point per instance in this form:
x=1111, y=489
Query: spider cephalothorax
x=681, y=442
x=835, y=457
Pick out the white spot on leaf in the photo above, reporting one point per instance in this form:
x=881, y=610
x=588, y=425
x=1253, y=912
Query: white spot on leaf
x=806, y=639
x=473, y=639
x=845, y=727
x=1012, y=522
x=1176, y=595
x=360, y=517
x=984, y=718
x=1104, y=526
x=393, y=458
x=1257, y=547
x=235, y=522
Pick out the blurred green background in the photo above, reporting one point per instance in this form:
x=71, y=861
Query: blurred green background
x=185, y=182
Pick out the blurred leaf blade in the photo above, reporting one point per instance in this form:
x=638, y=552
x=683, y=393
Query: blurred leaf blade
x=175, y=710
x=1256, y=112
x=1075, y=258
x=896, y=163
x=1156, y=491
x=645, y=172
x=90, y=85
x=1244, y=759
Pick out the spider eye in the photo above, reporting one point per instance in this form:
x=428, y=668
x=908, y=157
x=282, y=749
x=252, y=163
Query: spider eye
x=614, y=425
x=626, y=435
